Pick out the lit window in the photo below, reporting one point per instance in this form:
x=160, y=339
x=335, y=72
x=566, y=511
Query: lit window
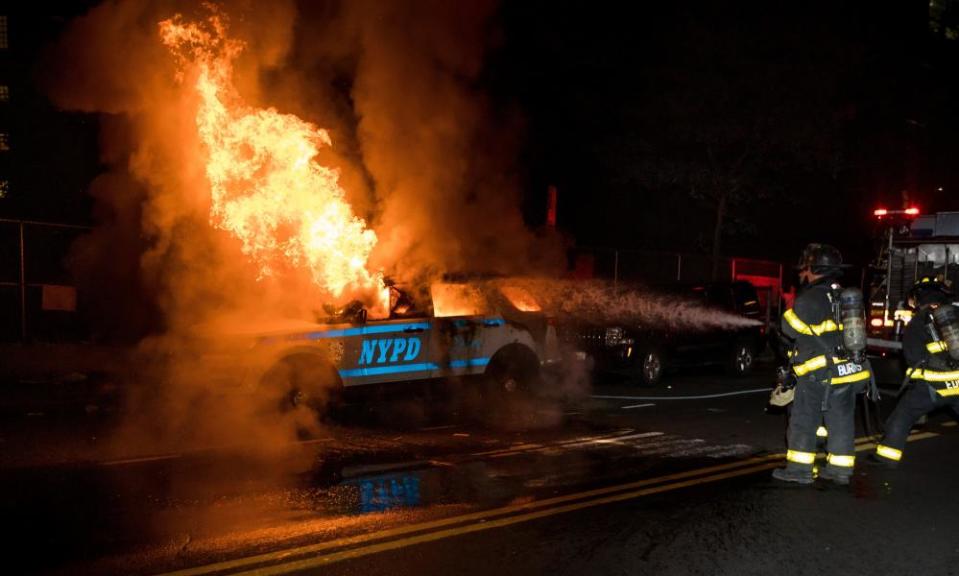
x=3, y=32
x=4, y=142
x=4, y=93
x=4, y=188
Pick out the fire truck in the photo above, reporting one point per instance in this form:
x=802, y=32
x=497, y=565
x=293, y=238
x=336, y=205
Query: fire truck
x=914, y=246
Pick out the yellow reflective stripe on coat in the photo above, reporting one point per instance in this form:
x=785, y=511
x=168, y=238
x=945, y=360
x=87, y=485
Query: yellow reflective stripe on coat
x=828, y=325
x=800, y=457
x=949, y=392
x=934, y=375
x=889, y=452
x=819, y=362
x=937, y=347
x=821, y=432
x=857, y=377
x=841, y=461
x=810, y=365
x=825, y=326
x=798, y=325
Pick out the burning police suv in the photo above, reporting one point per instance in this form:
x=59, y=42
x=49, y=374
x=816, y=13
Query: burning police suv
x=495, y=333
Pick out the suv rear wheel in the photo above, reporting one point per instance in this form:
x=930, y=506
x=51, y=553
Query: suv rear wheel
x=742, y=358
x=650, y=364
x=513, y=371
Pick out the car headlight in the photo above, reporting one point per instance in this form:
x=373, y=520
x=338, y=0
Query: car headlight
x=614, y=336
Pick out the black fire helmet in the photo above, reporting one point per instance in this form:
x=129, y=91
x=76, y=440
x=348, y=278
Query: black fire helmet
x=821, y=259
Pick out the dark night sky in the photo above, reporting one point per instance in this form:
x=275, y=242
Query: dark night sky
x=612, y=94
x=830, y=108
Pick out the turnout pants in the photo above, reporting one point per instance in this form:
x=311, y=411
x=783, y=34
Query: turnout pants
x=815, y=403
x=918, y=400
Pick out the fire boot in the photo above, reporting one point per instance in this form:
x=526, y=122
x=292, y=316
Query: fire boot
x=875, y=459
x=835, y=475
x=794, y=474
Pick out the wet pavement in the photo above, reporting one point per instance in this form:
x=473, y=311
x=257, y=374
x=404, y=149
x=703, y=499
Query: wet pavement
x=671, y=480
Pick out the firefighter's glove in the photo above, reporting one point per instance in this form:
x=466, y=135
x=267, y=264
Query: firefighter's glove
x=781, y=396
x=785, y=378
x=872, y=390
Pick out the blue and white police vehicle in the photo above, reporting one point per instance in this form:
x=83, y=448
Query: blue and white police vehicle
x=495, y=334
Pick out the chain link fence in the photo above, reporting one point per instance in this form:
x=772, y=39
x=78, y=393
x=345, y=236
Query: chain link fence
x=654, y=268
x=38, y=297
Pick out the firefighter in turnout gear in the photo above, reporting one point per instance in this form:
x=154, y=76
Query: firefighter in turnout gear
x=828, y=377
x=932, y=373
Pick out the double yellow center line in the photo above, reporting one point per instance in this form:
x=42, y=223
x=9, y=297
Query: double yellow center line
x=325, y=553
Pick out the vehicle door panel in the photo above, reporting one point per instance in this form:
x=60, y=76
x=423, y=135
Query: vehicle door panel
x=386, y=351
x=458, y=344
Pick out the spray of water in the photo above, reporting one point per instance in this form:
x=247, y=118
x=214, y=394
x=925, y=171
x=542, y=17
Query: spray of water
x=602, y=302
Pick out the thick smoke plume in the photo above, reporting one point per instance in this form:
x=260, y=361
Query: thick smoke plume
x=440, y=159
x=422, y=156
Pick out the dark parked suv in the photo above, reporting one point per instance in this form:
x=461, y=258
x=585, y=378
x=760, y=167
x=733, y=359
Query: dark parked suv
x=647, y=352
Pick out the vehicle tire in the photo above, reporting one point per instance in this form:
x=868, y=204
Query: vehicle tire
x=508, y=386
x=650, y=364
x=513, y=371
x=742, y=358
x=302, y=381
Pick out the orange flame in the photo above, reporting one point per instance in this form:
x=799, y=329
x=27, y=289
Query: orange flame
x=521, y=298
x=266, y=185
x=457, y=300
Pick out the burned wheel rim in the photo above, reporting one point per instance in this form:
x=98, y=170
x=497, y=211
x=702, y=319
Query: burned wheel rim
x=296, y=397
x=300, y=381
x=513, y=372
x=509, y=385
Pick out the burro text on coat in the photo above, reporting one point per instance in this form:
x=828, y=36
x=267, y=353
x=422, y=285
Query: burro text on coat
x=848, y=368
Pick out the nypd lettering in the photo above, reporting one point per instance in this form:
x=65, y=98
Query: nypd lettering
x=390, y=350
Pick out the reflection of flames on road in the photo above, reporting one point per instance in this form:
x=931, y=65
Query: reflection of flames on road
x=266, y=186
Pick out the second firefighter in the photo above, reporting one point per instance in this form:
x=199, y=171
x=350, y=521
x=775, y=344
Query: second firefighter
x=930, y=345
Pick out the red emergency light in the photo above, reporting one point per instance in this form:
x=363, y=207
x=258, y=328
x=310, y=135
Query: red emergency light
x=881, y=213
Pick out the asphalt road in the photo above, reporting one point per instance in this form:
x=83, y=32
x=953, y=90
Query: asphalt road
x=629, y=480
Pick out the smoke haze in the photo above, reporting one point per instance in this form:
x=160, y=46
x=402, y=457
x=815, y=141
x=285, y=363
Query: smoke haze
x=420, y=155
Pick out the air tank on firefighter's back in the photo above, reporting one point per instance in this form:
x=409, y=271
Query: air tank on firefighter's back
x=947, y=322
x=853, y=315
